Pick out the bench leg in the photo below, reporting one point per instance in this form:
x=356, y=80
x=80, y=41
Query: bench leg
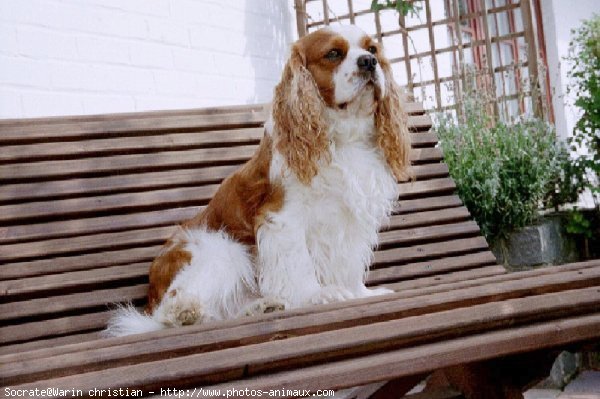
x=398, y=387
x=504, y=378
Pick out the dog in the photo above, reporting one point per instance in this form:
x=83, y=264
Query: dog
x=297, y=224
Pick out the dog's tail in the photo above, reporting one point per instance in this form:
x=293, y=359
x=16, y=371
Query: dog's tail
x=127, y=320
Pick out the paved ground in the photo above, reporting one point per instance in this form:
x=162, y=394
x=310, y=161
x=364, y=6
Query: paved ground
x=585, y=386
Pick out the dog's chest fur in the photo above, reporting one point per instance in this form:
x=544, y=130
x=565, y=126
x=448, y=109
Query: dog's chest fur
x=341, y=211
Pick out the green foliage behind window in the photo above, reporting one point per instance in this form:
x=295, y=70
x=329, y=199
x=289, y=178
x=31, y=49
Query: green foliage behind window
x=584, y=84
x=502, y=171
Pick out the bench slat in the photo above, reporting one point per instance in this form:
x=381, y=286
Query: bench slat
x=77, y=278
x=220, y=110
x=84, y=130
x=428, y=233
x=309, y=349
x=426, y=218
x=427, y=203
x=144, y=144
x=153, y=161
x=170, y=217
x=31, y=232
x=97, y=320
x=69, y=302
x=161, y=198
x=151, y=143
x=411, y=254
x=120, y=257
x=158, y=235
x=54, y=282
x=34, y=335
x=123, y=163
x=35, y=344
x=81, y=262
x=399, y=305
x=424, y=358
x=147, y=181
x=115, y=183
x=412, y=288
x=132, y=202
x=431, y=267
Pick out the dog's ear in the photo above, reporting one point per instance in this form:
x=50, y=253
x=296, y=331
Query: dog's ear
x=391, y=123
x=300, y=130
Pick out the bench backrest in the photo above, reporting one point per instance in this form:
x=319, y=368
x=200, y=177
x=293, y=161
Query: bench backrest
x=86, y=203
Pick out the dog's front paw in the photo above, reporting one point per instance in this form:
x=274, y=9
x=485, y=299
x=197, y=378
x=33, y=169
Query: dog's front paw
x=331, y=294
x=263, y=305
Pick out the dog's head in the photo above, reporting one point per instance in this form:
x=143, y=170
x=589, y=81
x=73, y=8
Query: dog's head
x=340, y=71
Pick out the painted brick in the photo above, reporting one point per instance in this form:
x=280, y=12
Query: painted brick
x=235, y=65
x=176, y=83
x=145, y=7
x=16, y=11
x=8, y=39
x=46, y=44
x=76, y=77
x=214, y=38
x=10, y=104
x=92, y=19
x=51, y=104
x=218, y=87
x=23, y=72
x=195, y=12
x=60, y=57
x=193, y=60
x=168, y=31
x=151, y=55
x=129, y=80
x=103, y=50
x=101, y=104
x=162, y=102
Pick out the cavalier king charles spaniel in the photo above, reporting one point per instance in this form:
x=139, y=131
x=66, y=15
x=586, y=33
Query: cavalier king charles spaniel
x=297, y=224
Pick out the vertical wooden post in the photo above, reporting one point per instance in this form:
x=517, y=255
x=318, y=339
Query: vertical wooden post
x=488, y=53
x=300, y=17
x=499, y=48
x=461, y=56
x=325, y=12
x=436, y=78
x=532, y=57
x=409, y=77
x=351, y=12
x=378, y=27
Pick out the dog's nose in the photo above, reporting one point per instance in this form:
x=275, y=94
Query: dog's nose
x=366, y=63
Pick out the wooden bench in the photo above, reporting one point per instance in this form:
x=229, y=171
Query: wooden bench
x=86, y=202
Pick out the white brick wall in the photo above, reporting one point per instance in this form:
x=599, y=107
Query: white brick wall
x=67, y=57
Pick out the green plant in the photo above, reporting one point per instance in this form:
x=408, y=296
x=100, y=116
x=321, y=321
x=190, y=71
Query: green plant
x=584, y=84
x=402, y=6
x=578, y=224
x=502, y=170
x=564, y=185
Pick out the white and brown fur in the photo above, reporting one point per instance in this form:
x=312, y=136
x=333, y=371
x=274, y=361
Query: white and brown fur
x=297, y=224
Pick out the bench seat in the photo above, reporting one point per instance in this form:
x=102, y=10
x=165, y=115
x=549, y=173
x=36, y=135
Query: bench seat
x=86, y=203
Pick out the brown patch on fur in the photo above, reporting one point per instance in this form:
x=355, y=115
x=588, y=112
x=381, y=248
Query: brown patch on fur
x=163, y=269
x=391, y=123
x=367, y=42
x=239, y=207
x=243, y=199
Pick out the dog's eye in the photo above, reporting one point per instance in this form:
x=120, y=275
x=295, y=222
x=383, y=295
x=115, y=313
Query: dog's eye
x=372, y=49
x=334, y=54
